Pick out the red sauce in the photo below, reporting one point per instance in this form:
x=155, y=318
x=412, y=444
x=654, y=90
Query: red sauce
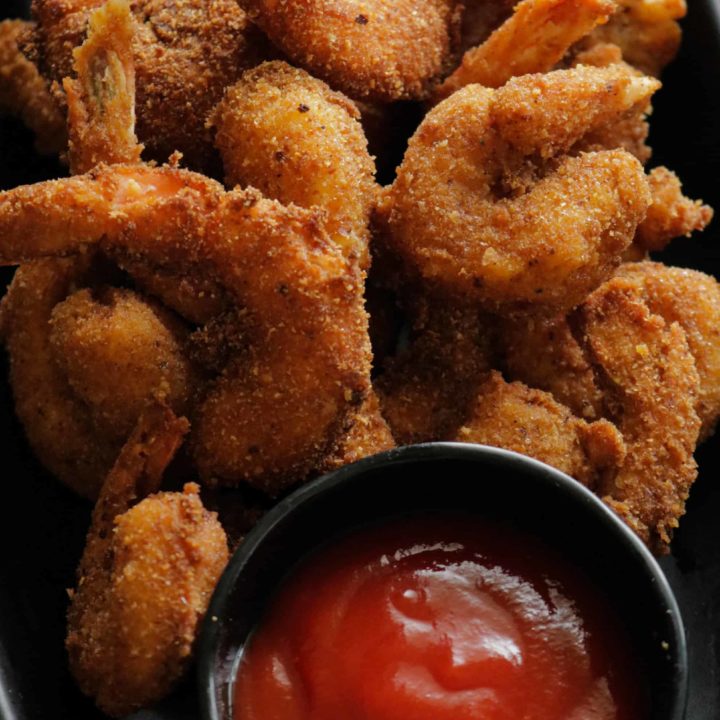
x=437, y=618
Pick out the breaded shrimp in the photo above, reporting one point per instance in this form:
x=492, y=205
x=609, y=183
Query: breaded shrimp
x=145, y=578
x=117, y=350
x=646, y=31
x=691, y=299
x=670, y=214
x=58, y=427
x=287, y=134
x=185, y=51
x=368, y=435
x=279, y=406
x=425, y=389
x=101, y=101
x=532, y=40
x=542, y=353
x=370, y=49
x=25, y=93
x=650, y=387
x=514, y=417
x=487, y=205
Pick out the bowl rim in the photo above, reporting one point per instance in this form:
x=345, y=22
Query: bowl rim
x=211, y=626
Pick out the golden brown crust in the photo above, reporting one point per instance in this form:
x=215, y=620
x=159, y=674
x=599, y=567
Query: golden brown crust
x=381, y=50
x=25, y=93
x=145, y=578
x=650, y=386
x=287, y=134
x=515, y=417
x=488, y=205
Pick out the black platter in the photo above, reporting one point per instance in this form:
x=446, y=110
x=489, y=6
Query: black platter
x=42, y=525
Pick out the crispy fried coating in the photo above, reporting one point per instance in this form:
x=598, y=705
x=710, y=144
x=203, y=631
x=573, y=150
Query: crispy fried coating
x=532, y=40
x=277, y=408
x=543, y=353
x=670, y=214
x=650, y=386
x=487, y=205
x=691, y=299
x=101, y=101
x=185, y=51
x=515, y=417
x=646, y=31
x=58, y=427
x=25, y=93
x=287, y=134
x=425, y=389
x=368, y=435
x=145, y=578
x=379, y=50
x=117, y=350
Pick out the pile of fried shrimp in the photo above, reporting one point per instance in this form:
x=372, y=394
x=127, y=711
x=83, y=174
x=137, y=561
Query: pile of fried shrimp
x=223, y=298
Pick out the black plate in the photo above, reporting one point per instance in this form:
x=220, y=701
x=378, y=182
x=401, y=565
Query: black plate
x=42, y=526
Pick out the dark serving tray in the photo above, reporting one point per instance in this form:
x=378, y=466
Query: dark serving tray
x=42, y=525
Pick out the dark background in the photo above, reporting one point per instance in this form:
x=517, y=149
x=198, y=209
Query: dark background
x=42, y=526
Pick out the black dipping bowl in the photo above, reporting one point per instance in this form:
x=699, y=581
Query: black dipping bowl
x=484, y=481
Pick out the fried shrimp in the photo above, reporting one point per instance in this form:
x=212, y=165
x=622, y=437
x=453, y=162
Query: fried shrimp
x=532, y=40
x=288, y=135
x=670, y=214
x=185, y=52
x=488, y=205
x=542, y=353
x=101, y=101
x=425, y=389
x=514, y=417
x=25, y=93
x=691, y=299
x=646, y=31
x=145, y=578
x=379, y=50
x=650, y=387
x=278, y=406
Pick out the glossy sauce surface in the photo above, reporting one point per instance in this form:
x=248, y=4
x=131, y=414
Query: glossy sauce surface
x=436, y=618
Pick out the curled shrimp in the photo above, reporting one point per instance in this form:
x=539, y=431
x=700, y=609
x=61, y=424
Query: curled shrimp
x=287, y=134
x=381, y=50
x=490, y=201
x=277, y=406
x=532, y=40
x=145, y=579
x=650, y=386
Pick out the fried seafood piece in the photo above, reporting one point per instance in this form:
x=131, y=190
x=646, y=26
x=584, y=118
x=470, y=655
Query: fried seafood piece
x=646, y=31
x=488, y=205
x=543, y=353
x=146, y=576
x=670, y=214
x=532, y=40
x=101, y=101
x=25, y=93
x=692, y=300
x=425, y=389
x=287, y=134
x=515, y=417
x=650, y=386
x=117, y=351
x=368, y=435
x=185, y=51
x=379, y=50
x=58, y=427
x=289, y=389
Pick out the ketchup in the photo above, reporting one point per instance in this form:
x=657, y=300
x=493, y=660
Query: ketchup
x=437, y=617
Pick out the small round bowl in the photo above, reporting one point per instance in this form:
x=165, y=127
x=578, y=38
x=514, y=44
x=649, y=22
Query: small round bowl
x=487, y=482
